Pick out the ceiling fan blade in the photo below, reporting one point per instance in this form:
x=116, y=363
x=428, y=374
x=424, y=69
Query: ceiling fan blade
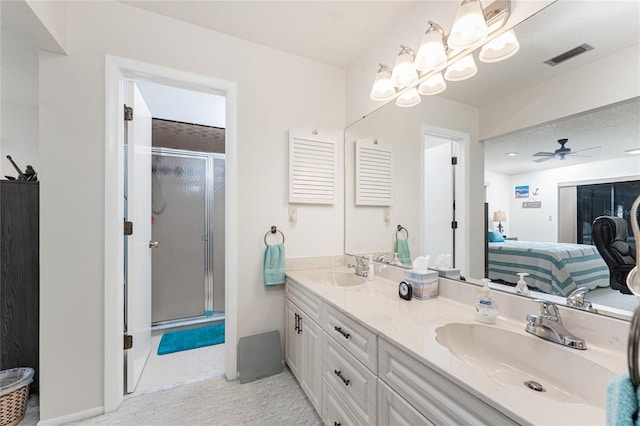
x=586, y=149
x=544, y=154
x=540, y=160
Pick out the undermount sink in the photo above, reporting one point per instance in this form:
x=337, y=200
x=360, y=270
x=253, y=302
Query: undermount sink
x=337, y=278
x=526, y=361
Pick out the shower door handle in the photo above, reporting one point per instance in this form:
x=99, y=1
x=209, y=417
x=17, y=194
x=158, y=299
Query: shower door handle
x=153, y=244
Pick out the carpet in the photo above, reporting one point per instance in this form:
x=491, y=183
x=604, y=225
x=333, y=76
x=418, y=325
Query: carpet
x=184, y=340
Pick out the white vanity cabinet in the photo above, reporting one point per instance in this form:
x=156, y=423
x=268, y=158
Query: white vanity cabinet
x=304, y=340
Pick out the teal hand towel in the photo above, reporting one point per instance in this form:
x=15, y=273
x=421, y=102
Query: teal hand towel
x=274, y=265
x=402, y=248
x=622, y=401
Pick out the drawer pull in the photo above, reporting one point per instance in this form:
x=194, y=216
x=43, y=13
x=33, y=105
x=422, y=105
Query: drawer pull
x=299, y=324
x=339, y=374
x=296, y=322
x=339, y=330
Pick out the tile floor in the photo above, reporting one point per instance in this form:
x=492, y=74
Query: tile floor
x=170, y=370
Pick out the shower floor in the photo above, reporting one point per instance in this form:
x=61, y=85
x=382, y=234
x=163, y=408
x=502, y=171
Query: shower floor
x=170, y=370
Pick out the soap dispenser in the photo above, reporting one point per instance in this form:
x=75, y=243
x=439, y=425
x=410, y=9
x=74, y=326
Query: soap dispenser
x=521, y=285
x=371, y=269
x=486, y=307
x=396, y=261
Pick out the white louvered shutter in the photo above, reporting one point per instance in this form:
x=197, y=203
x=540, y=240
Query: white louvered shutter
x=313, y=161
x=373, y=172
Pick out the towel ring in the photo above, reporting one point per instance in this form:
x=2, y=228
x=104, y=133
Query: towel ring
x=402, y=228
x=632, y=348
x=273, y=230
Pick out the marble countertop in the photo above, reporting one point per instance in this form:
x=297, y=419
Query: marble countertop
x=413, y=326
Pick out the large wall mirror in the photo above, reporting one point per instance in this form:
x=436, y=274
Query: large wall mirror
x=523, y=106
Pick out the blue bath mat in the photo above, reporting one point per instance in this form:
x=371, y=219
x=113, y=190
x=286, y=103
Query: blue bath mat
x=184, y=340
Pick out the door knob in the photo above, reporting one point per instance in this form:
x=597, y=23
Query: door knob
x=153, y=244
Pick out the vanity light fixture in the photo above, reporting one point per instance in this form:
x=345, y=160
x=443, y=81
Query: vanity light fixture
x=502, y=47
x=383, y=88
x=461, y=70
x=433, y=49
x=469, y=26
x=433, y=85
x=451, y=54
x=409, y=98
x=404, y=73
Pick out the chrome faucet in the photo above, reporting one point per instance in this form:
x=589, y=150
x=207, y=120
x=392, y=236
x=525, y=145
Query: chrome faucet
x=382, y=258
x=548, y=325
x=576, y=300
x=361, y=266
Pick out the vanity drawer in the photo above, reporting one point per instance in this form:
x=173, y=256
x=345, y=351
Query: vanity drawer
x=352, y=381
x=307, y=301
x=433, y=395
x=393, y=410
x=357, y=339
x=334, y=410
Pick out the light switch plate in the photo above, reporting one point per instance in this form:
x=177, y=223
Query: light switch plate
x=293, y=214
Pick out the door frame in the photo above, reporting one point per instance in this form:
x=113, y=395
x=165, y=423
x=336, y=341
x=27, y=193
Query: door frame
x=462, y=237
x=117, y=69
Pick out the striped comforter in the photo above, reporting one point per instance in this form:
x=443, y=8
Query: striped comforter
x=554, y=268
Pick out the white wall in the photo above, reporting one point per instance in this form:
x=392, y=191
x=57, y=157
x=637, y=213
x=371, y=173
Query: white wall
x=18, y=96
x=276, y=92
x=534, y=224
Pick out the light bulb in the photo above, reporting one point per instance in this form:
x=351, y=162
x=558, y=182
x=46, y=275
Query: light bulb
x=469, y=25
x=433, y=85
x=409, y=98
x=432, y=52
x=462, y=69
x=502, y=47
x=383, y=88
x=404, y=73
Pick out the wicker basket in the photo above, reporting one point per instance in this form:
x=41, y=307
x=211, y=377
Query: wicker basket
x=14, y=392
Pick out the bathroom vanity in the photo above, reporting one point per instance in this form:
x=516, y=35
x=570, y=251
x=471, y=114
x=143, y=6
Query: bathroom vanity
x=365, y=356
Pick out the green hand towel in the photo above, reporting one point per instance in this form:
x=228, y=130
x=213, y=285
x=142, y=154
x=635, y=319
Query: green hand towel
x=274, y=265
x=402, y=248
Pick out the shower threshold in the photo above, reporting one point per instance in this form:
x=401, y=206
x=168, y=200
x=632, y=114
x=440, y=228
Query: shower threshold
x=181, y=322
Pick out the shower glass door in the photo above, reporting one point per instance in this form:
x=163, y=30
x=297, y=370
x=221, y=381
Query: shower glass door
x=182, y=207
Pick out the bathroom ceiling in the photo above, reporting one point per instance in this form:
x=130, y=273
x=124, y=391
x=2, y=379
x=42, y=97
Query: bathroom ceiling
x=332, y=32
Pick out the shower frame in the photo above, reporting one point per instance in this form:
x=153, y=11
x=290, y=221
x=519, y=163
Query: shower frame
x=209, y=315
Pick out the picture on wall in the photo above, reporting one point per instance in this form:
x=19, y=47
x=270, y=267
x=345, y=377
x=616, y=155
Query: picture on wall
x=522, y=191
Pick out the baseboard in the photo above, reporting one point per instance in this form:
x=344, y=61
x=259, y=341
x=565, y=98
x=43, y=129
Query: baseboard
x=73, y=417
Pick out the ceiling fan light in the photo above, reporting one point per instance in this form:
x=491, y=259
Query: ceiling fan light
x=433, y=85
x=461, y=70
x=432, y=52
x=409, y=98
x=404, y=73
x=383, y=88
x=502, y=47
x=469, y=25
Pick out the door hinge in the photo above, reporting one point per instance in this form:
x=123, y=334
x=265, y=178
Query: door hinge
x=128, y=228
x=454, y=224
x=128, y=113
x=128, y=341
x=454, y=161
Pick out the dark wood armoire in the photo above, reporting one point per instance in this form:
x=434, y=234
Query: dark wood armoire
x=19, y=276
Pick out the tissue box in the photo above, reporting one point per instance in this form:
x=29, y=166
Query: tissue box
x=452, y=273
x=424, y=284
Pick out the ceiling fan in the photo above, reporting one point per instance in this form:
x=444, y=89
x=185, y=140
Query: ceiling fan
x=561, y=152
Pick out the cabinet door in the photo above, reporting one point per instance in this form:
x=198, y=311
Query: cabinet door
x=395, y=411
x=311, y=355
x=292, y=339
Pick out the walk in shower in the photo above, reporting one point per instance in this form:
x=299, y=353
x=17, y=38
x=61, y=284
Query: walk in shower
x=188, y=224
